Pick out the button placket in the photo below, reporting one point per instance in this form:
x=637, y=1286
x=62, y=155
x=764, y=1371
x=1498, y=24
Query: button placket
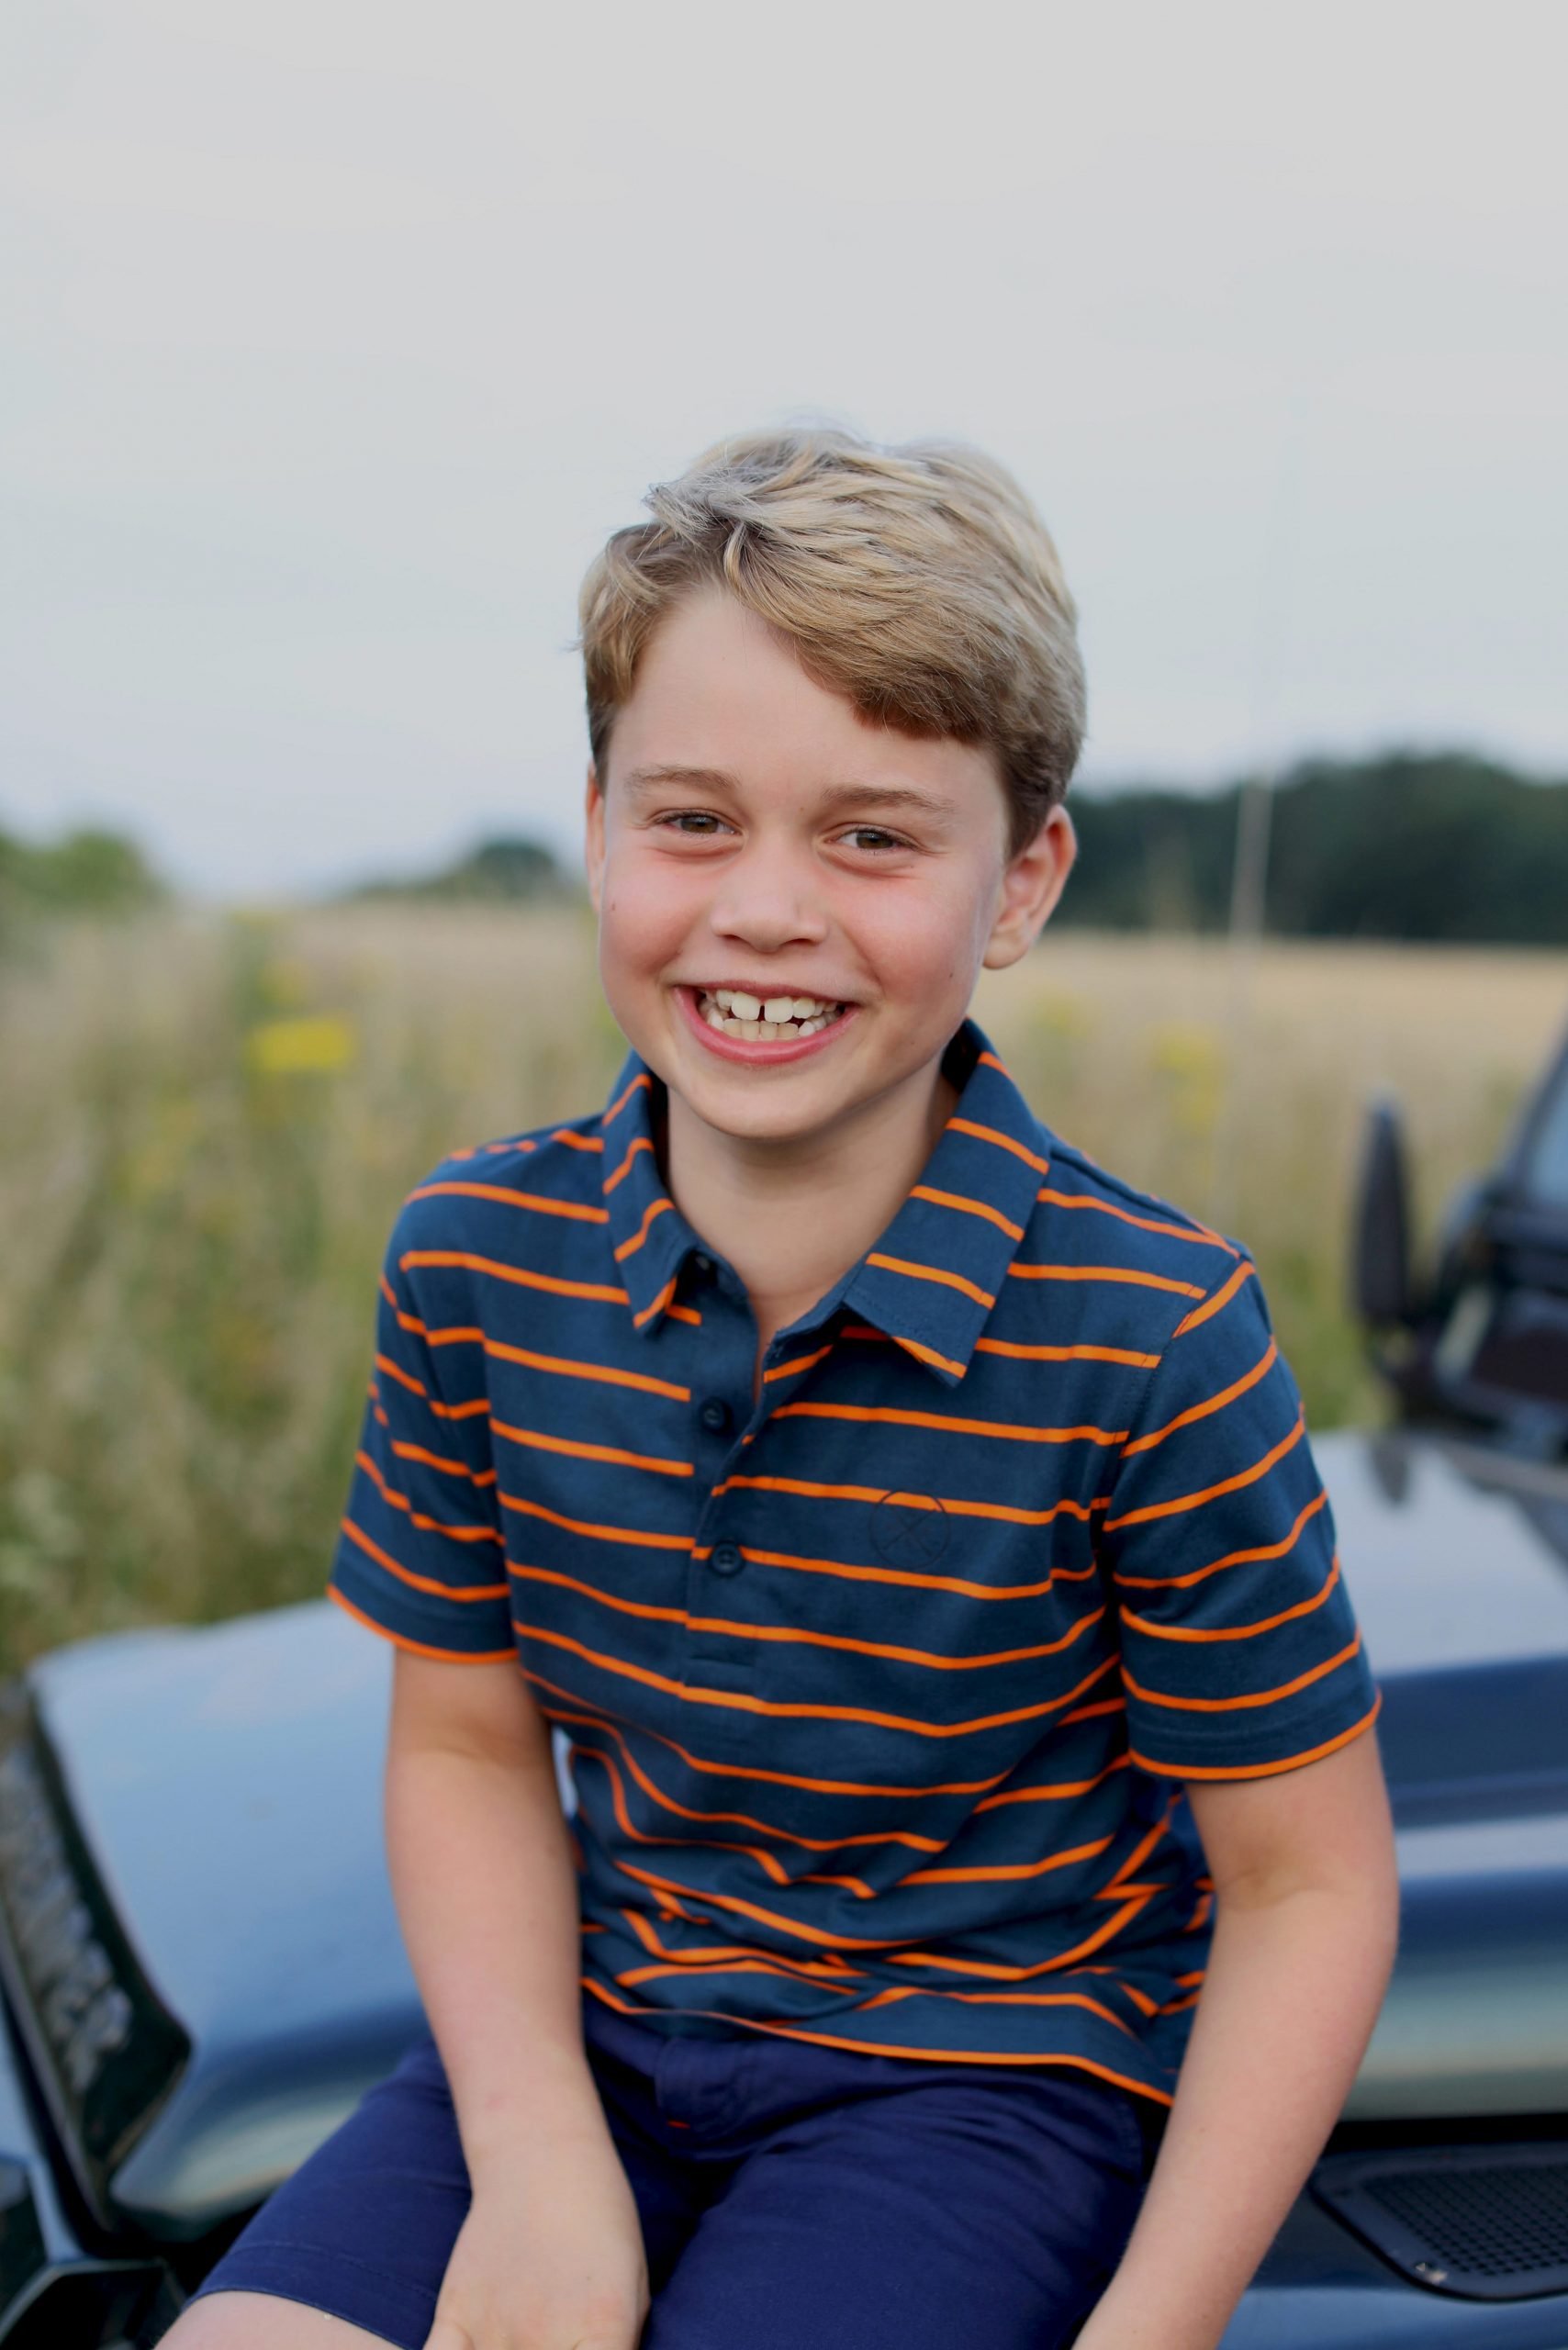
x=729, y=1350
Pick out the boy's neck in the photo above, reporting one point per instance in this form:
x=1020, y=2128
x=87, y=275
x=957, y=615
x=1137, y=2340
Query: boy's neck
x=790, y=1218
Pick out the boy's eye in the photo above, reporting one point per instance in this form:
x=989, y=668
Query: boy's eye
x=873, y=836
x=699, y=822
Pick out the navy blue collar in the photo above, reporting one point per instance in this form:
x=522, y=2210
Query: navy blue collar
x=931, y=1277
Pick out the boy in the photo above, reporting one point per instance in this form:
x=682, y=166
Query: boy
x=912, y=1526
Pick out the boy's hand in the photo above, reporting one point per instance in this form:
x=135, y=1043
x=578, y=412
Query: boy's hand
x=550, y=2256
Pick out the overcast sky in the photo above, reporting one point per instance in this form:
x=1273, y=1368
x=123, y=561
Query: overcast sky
x=336, y=336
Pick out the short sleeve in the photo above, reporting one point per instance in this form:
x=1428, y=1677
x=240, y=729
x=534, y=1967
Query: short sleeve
x=1241, y=1650
x=420, y=1554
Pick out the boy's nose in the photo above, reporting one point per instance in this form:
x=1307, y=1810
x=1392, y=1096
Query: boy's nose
x=768, y=903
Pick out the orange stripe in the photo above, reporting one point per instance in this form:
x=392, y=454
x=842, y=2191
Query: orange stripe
x=888, y=2048
x=396, y=1500
x=1052, y=1793
x=910, y=1579
x=421, y=1648
x=576, y=1141
x=595, y=1533
x=989, y=1060
x=403, y=1378
x=1235, y=1631
x=1231, y=1558
x=1211, y=1305
x=1001, y=1510
x=1089, y=1713
x=1064, y=1354
x=1211, y=1404
x=1002, y=1142
x=775, y=1709
x=1136, y=1858
x=904, y=1836
x=638, y=1142
x=1005, y=1999
x=1103, y=1273
x=576, y=1450
x=419, y=1582
x=653, y=1208
x=1144, y=1223
x=967, y=1207
x=549, y=1282
x=764, y=1859
x=658, y=1305
x=566, y=1367
x=641, y=1078
x=416, y=1387
x=753, y=1909
x=1018, y=1869
x=930, y=1274
x=929, y=1354
x=536, y=1199
x=438, y=1460
x=901, y=1794
x=797, y=1362
x=995, y=1970
x=800, y=1633
x=389, y=1293
x=630, y=1976
x=1209, y=1492
x=832, y=1966
x=886, y=1415
x=1259, y=1697
x=685, y=1313
x=1260, y=1770
x=460, y=1334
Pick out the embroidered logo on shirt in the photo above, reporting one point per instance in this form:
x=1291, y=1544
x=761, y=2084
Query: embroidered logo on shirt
x=910, y=1529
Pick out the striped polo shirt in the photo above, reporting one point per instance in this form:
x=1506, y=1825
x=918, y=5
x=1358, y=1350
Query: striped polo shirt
x=880, y=1691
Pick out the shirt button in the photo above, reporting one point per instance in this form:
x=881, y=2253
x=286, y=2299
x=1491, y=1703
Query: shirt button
x=715, y=1415
x=725, y=1560
x=704, y=1264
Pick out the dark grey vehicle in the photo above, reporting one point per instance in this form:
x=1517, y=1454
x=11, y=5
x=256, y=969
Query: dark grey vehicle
x=202, y=1972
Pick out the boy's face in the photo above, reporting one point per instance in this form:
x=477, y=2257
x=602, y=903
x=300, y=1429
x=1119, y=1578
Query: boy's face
x=755, y=834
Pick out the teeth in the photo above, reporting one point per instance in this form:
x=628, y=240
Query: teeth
x=765, y=1019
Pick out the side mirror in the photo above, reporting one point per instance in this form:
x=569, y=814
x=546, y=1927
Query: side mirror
x=1380, y=1271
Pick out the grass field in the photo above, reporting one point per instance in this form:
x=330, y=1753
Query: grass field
x=210, y=1121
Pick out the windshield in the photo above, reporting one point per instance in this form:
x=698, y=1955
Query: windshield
x=1546, y=1168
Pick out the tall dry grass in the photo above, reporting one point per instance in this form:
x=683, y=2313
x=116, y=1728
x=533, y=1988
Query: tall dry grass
x=208, y=1123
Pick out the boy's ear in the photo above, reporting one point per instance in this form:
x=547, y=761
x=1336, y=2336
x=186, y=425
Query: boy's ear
x=593, y=835
x=1030, y=887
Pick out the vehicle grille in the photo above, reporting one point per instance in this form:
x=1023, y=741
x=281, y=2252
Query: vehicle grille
x=1489, y=2222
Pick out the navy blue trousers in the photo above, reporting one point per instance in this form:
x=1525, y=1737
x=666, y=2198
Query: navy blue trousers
x=792, y=2198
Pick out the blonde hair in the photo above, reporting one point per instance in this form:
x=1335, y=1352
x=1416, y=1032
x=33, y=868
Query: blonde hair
x=917, y=581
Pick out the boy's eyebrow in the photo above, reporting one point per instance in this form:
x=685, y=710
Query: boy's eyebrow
x=838, y=795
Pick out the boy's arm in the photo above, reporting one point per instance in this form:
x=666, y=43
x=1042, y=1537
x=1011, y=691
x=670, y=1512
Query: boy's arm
x=1306, y=1924
x=550, y=2250
x=483, y=1876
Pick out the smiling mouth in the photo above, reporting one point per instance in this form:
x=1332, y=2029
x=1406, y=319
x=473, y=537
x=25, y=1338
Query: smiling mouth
x=765, y=1019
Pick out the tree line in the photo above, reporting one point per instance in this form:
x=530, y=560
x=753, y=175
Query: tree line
x=1437, y=845
x=88, y=871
